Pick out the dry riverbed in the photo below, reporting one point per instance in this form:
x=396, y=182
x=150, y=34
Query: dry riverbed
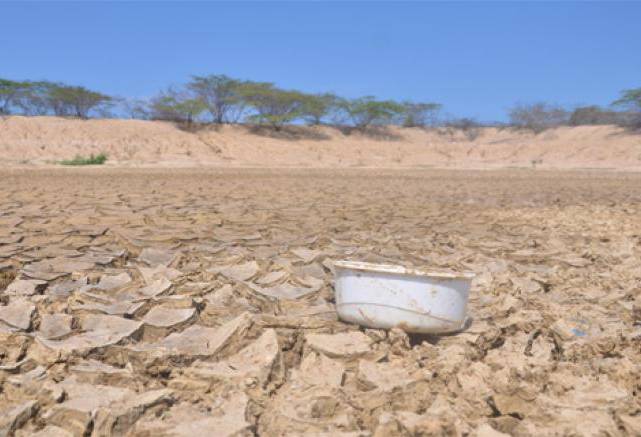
x=200, y=302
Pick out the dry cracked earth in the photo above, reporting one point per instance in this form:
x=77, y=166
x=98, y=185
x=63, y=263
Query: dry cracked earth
x=178, y=302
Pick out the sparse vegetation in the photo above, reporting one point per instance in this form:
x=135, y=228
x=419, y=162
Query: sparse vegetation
x=83, y=160
x=592, y=115
x=317, y=107
x=272, y=106
x=368, y=111
x=468, y=126
x=42, y=98
x=220, y=95
x=631, y=101
x=176, y=105
x=9, y=93
x=538, y=117
x=220, y=99
x=420, y=114
x=75, y=101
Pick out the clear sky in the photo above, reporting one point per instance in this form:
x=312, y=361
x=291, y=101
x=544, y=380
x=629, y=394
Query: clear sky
x=476, y=58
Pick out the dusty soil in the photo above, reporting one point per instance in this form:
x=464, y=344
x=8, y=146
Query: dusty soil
x=200, y=302
x=45, y=140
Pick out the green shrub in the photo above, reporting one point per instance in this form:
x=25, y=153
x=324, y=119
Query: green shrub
x=83, y=160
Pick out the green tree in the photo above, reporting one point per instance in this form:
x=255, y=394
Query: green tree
x=221, y=96
x=75, y=101
x=10, y=91
x=35, y=98
x=176, y=105
x=420, y=114
x=630, y=99
x=318, y=106
x=367, y=111
x=136, y=108
x=273, y=106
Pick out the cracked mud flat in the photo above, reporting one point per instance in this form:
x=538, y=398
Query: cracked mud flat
x=200, y=303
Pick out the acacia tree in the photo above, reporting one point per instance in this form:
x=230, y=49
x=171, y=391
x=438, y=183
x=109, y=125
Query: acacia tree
x=538, y=117
x=75, y=101
x=367, y=111
x=176, y=105
x=220, y=95
x=35, y=98
x=631, y=100
x=10, y=91
x=136, y=108
x=318, y=106
x=420, y=114
x=273, y=106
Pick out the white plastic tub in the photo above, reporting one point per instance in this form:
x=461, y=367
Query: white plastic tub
x=387, y=296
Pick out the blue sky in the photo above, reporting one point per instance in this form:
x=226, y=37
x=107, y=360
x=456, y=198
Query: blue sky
x=476, y=58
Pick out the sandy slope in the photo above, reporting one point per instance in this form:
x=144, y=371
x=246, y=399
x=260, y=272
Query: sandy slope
x=39, y=140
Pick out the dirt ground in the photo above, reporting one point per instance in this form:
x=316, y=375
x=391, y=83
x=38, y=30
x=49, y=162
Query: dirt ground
x=200, y=302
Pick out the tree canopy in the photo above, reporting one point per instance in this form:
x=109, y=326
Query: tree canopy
x=10, y=91
x=75, y=101
x=368, y=111
x=218, y=99
x=538, y=116
x=630, y=99
x=420, y=114
x=273, y=106
x=220, y=95
x=176, y=105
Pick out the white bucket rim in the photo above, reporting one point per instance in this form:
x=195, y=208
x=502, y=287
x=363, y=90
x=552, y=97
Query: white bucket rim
x=401, y=270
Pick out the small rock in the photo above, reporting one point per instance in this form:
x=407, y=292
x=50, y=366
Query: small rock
x=258, y=361
x=155, y=288
x=317, y=369
x=97, y=372
x=383, y=376
x=99, y=331
x=152, y=274
x=241, y=272
x=18, y=314
x=271, y=277
x=284, y=291
x=112, y=282
x=192, y=343
x=26, y=287
x=55, y=326
x=186, y=420
x=15, y=417
x=75, y=414
x=351, y=344
x=122, y=416
x=154, y=257
x=166, y=317
x=307, y=255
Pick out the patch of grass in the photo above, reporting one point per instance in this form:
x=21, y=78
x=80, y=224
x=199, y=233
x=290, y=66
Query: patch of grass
x=83, y=160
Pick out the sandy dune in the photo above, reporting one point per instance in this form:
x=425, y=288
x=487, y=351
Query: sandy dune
x=39, y=140
x=200, y=302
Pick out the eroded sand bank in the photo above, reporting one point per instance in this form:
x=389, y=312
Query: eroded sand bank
x=45, y=140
